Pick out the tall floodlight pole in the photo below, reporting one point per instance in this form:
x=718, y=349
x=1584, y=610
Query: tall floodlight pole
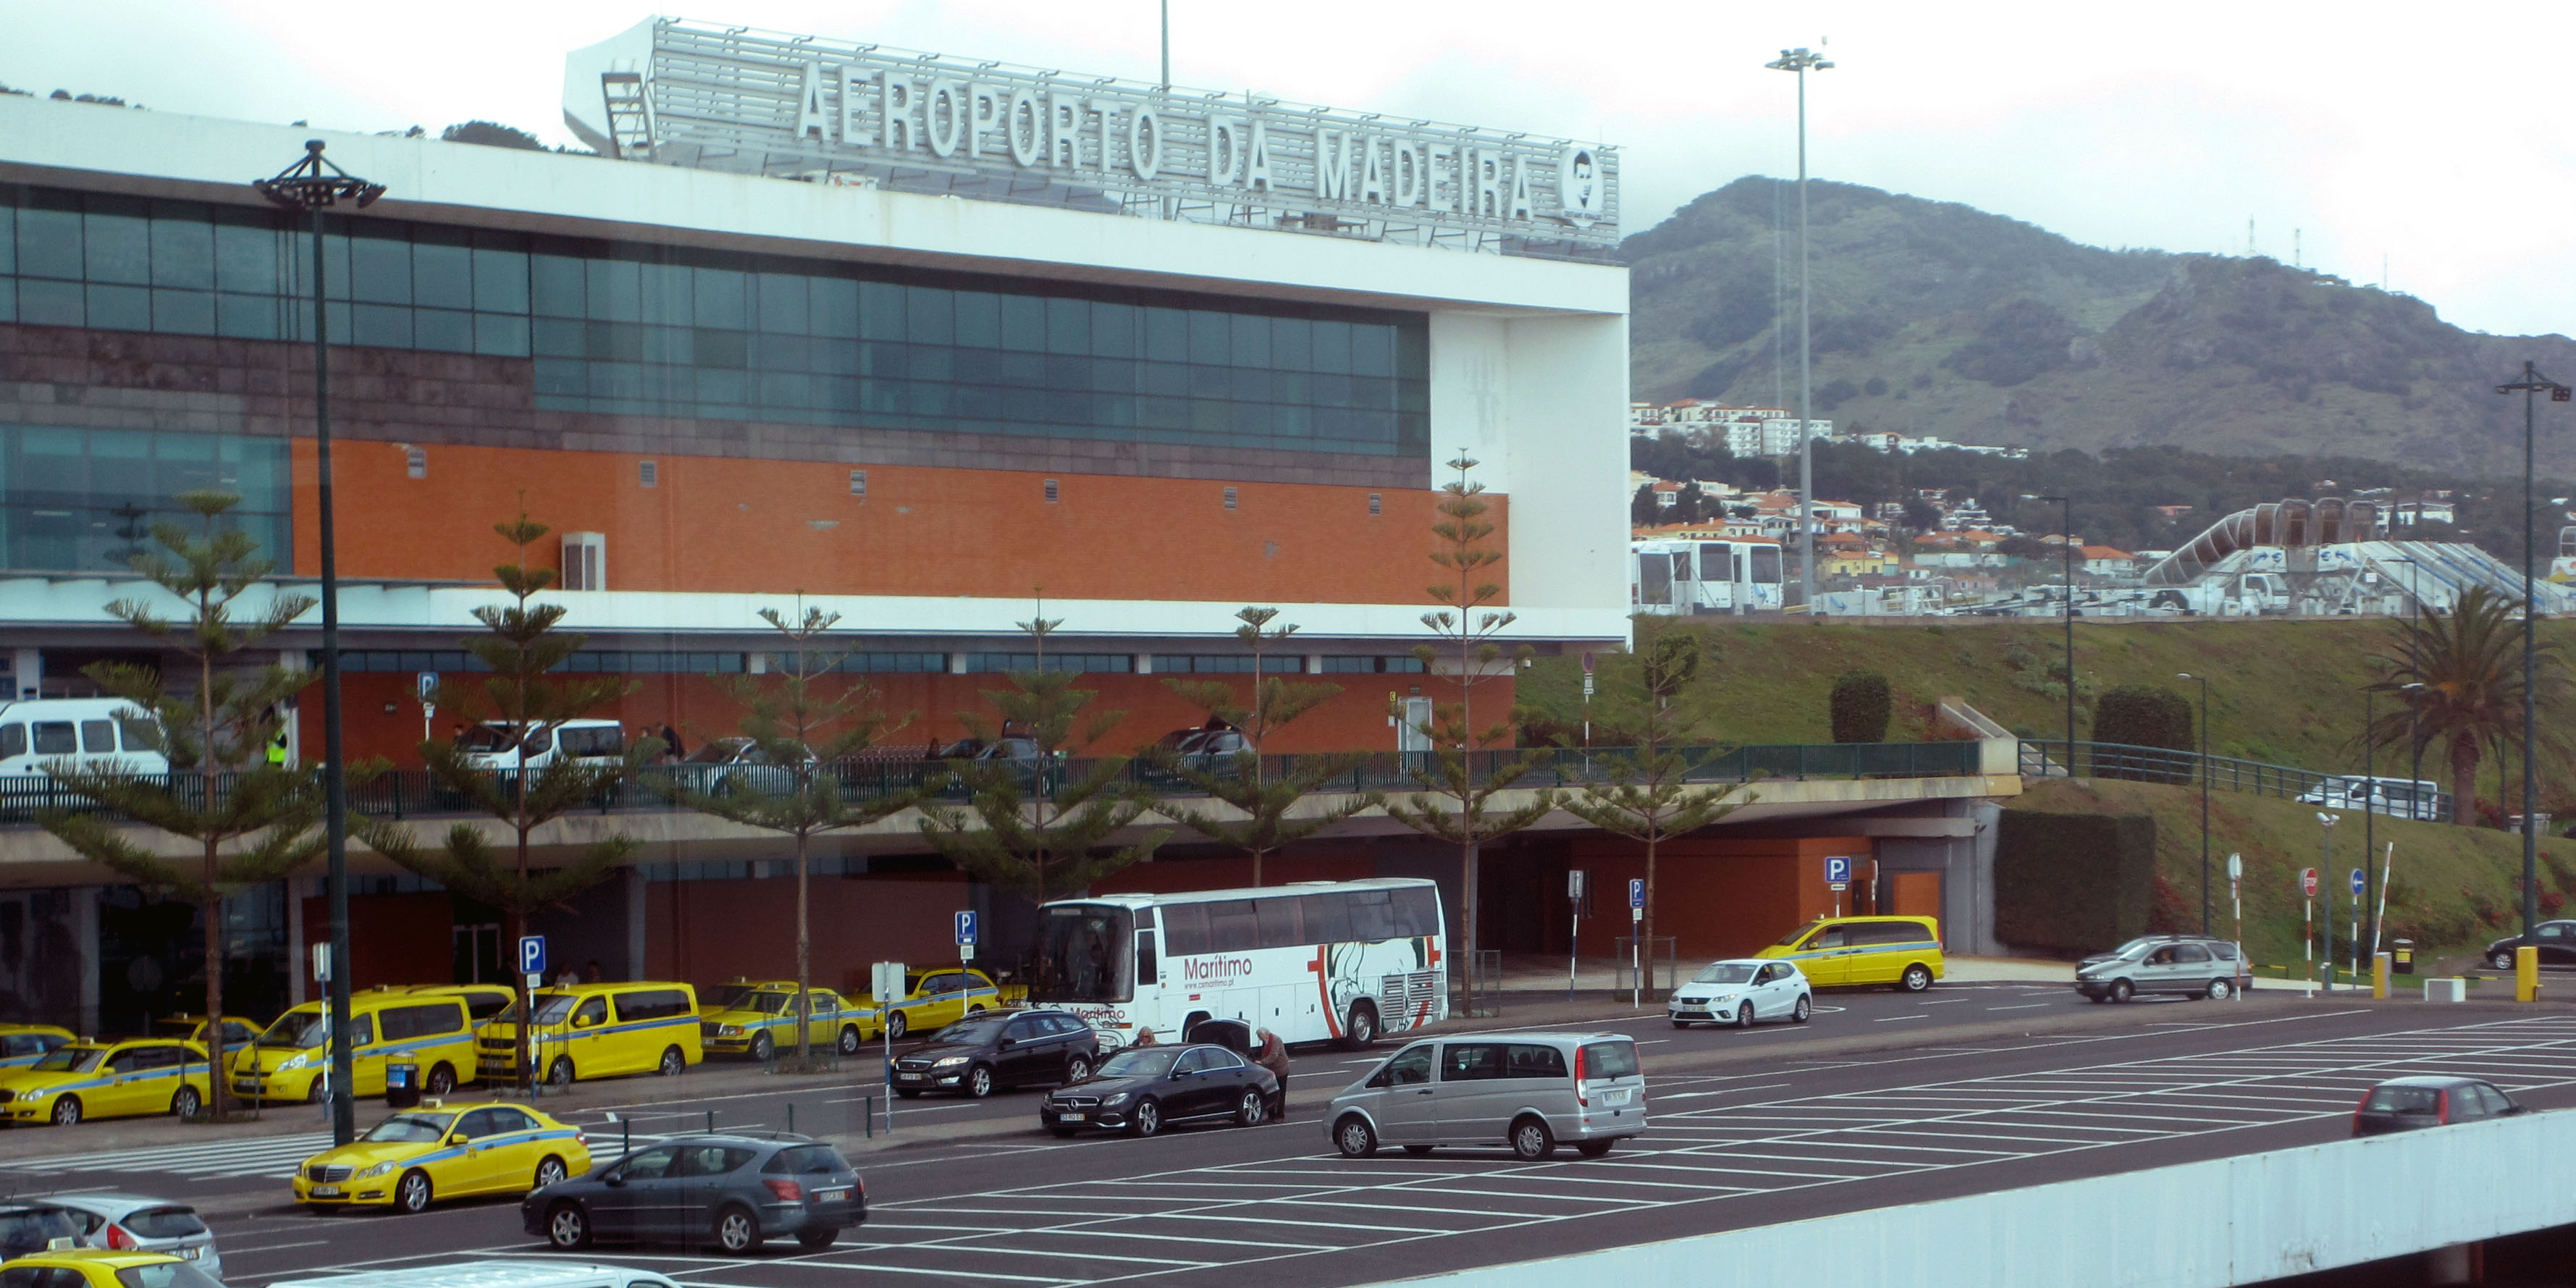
x=2369, y=813
x=1801, y=61
x=2204, y=797
x=2530, y=387
x=2068, y=547
x=2414, y=664
x=312, y=186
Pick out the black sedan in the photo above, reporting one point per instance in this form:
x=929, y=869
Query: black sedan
x=729, y=1192
x=2406, y=1104
x=984, y=1052
x=2556, y=941
x=1141, y=1090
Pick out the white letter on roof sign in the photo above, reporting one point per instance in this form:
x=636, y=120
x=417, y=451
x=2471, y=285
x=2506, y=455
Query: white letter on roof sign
x=1520, y=208
x=1024, y=127
x=810, y=120
x=983, y=108
x=895, y=95
x=1064, y=130
x=855, y=130
x=1256, y=158
x=1373, y=179
x=1443, y=157
x=1407, y=163
x=1488, y=198
x=1145, y=143
x=947, y=108
x=1225, y=149
x=1332, y=165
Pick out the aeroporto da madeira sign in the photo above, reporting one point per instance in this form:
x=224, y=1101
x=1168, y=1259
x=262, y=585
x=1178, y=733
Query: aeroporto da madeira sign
x=688, y=93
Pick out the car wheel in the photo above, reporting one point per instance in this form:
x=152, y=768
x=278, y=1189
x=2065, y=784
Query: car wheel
x=2122, y=990
x=1354, y=1137
x=1531, y=1140
x=1147, y=1118
x=763, y=1047
x=896, y=1027
x=185, y=1103
x=551, y=1172
x=1744, y=1014
x=737, y=1231
x=1916, y=978
x=1804, y=1009
x=1062, y=1133
x=2502, y=959
x=1594, y=1148
x=560, y=1072
x=2220, y=990
x=849, y=1040
x=977, y=1009
x=673, y=1063
x=1249, y=1110
x=441, y=1080
x=413, y=1193
x=979, y=1082
x=67, y=1111
x=1076, y=1069
x=1360, y=1031
x=817, y=1240
x=568, y=1227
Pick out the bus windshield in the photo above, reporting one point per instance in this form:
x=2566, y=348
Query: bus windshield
x=1085, y=954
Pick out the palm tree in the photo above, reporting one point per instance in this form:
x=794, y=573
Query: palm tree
x=2468, y=663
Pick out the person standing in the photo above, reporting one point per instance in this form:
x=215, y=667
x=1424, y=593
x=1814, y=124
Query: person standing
x=1273, y=1056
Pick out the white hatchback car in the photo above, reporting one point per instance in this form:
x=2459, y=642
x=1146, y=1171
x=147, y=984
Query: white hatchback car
x=1741, y=990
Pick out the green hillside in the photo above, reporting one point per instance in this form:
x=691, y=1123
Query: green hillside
x=1935, y=318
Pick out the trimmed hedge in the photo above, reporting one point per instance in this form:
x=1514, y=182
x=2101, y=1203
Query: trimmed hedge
x=2073, y=883
x=1861, y=707
x=2144, y=715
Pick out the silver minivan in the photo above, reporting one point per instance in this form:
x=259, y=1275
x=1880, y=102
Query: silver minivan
x=1527, y=1091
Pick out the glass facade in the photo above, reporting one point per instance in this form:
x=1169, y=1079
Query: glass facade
x=83, y=500
x=669, y=332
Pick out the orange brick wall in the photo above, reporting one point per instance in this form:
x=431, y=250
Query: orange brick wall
x=1717, y=897
x=694, y=930
x=767, y=526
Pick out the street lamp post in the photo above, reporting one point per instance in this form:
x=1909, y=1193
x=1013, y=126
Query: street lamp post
x=2414, y=665
x=2204, y=796
x=2530, y=387
x=1803, y=61
x=312, y=186
x=2069, y=547
x=2369, y=813
x=2325, y=887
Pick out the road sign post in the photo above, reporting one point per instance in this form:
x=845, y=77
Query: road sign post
x=2360, y=878
x=1838, y=869
x=1636, y=955
x=2236, y=900
x=965, y=937
x=885, y=984
x=532, y=955
x=2308, y=926
x=1574, y=884
x=426, y=685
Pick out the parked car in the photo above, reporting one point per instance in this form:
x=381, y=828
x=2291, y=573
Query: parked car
x=96, y=1268
x=490, y=1274
x=489, y=745
x=1527, y=1091
x=413, y=1158
x=732, y=1192
x=1835, y=952
x=1741, y=990
x=932, y=998
x=88, y=733
x=30, y=1226
x=1142, y=1090
x=2173, y=965
x=756, y=1019
x=2556, y=941
x=116, y=1078
x=24, y=1044
x=132, y=1223
x=982, y=1053
x=2406, y=1104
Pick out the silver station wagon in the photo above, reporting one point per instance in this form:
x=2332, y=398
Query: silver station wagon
x=1526, y=1091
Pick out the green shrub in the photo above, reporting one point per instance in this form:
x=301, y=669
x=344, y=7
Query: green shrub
x=2073, y=883
x=2144, y=715
x=1861, y=707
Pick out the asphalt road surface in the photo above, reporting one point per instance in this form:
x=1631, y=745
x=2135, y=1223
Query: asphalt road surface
x=1738, y=1139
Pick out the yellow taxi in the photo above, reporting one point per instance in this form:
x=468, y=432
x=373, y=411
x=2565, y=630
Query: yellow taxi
x=385, y=1024
x=597, y=1031
x=23, y=1044
x=1844, y=952
x=935, y=997
x=100, y=1268
x=756, y=1018
x=118, y=1078
x=439, y=1151
x=238, y=1032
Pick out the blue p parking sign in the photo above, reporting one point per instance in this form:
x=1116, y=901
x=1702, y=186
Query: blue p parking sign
x=532, y=954
x=966, y=927
x=1838, y=868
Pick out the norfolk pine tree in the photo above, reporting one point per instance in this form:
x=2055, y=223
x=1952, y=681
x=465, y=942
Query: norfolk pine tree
x=1648, y=797
x=1241, y=780
x=1453, y=804
x=802, y=726
x=519, y=648
x=251, y=822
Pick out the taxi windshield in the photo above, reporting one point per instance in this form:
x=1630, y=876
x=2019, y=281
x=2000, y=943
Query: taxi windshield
x=552, y=1008
x=410, y=1129
x=1724, y=973
x=298, y=1029
x=752, y=999
x=69, y=1060
x=1795, y=935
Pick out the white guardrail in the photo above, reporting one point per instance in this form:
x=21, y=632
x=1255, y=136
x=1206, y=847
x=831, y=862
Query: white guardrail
x=2240, y=1220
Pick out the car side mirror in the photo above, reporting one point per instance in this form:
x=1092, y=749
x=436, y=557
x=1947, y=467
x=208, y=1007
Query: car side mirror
x=1008, y=1043
x=614, y=1180
x=457, y=1139
x=2513, y=1110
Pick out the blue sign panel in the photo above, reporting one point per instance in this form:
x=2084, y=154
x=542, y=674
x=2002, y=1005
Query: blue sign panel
x=1838, y=867
x=1636, y=892
x=532, y=954
x=2358, y=882
x=965, y=927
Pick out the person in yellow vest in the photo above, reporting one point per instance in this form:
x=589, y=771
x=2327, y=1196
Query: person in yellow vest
x=277, y=749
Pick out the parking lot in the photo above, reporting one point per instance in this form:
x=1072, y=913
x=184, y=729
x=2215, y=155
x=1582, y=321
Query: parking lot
x=1742, y=1144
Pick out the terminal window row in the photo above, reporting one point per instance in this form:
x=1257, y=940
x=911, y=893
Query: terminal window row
x=410, y=661
x=85, y=500
x=627, y=329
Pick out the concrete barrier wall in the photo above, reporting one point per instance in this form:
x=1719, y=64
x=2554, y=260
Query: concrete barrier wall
x=2229, y=1221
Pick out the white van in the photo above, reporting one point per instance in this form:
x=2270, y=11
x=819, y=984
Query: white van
x=89, y=732
x=2406, y=798
x=490, y=1274
x=489, y=745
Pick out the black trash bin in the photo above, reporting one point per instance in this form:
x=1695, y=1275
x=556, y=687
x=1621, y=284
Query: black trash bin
x=402, y=1083
x=2401, y=957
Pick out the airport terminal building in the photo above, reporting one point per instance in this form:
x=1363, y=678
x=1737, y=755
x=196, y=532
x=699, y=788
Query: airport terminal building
x=922, y=341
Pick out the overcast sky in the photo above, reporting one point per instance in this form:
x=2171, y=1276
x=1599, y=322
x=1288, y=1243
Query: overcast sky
x=2434, y=136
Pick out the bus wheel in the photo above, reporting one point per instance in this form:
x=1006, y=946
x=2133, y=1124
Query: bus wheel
x=1360, y=1031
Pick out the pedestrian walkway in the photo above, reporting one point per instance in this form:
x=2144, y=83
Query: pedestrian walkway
x=265, y=1156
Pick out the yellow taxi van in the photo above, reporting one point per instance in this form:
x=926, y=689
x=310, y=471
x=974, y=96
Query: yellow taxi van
x=289, y=1060
x=24, y=1044
x=1843, y=952
x=598, y=1031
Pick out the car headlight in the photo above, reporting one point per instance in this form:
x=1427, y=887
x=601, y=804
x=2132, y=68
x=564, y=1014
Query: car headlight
x=377, y=1170
x=729, y=1031
x=294, y=1062
x=945, y=1061
x=1112, y=1102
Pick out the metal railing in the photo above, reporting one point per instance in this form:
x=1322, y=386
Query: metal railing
x=2043, y=758
x=417, y=793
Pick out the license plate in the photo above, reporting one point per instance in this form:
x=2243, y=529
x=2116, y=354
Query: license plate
x=830, y=1196
x=1617, y=1097
x=908, y=1077
x=326, y=1191
x=1069, y=1118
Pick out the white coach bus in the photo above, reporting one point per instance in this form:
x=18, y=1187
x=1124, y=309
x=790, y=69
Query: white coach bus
x=1337, y=961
